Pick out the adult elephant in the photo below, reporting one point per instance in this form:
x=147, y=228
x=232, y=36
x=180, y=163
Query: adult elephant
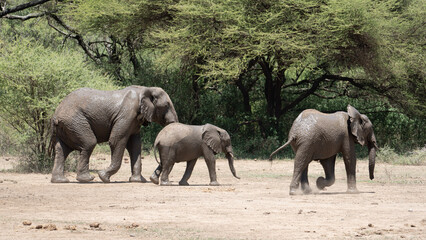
x=87, y=116
x=319, y=136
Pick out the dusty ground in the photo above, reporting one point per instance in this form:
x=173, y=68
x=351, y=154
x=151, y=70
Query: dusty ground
x=258, y=206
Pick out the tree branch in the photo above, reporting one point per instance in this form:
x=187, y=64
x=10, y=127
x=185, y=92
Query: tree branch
x=347, y=79
x=22, y=7
x=26, y=17
x=73, y=34
x=304, y=95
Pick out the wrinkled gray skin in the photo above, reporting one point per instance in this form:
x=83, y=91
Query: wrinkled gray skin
x=319, y=136
x=87, y=116
x=180, y=142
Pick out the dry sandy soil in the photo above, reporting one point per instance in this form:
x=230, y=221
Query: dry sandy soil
x=258, y=206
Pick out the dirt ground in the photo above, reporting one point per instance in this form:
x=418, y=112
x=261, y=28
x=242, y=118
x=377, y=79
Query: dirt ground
x=392, y=206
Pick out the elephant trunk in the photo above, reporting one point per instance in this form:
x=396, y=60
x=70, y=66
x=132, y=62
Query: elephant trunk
x=371, y=161
x=230, y=157
x=372, y=147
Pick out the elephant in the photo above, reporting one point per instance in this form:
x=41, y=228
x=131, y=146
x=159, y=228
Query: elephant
x=179, y=142
x=319, y=136
x=87, y=116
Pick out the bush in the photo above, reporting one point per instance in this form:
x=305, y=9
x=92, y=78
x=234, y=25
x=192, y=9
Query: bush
x=388, y=155
x=33, y=80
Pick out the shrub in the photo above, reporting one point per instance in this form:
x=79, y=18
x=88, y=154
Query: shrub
x=33, y=80
x=388, y=155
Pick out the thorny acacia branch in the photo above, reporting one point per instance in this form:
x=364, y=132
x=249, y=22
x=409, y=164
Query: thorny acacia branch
x=5, y=11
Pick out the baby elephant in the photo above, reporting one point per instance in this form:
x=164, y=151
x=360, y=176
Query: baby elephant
x=179, y=142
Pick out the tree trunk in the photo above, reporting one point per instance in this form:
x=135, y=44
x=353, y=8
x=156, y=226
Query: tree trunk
x=269, y=87
x=245, y=93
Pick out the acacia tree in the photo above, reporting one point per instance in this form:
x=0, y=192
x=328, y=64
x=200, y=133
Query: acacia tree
x=279, y=55
x=294, y=49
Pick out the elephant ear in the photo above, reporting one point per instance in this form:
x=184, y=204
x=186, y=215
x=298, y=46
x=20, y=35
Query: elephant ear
x=356, y=124
x=147, y=108
x=211, y=137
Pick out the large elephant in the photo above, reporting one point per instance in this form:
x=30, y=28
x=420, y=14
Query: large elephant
x=87, y=116
x=180, y=142
x=319, y=136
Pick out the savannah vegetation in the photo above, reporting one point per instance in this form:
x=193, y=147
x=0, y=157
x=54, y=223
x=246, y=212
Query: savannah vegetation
x=248, y=66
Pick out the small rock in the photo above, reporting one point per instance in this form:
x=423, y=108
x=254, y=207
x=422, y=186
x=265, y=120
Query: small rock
x=70, y=227
x=266, y=213
x=1, y=181
x=94, y=225
x=50, y=227
x=410, y=210
x=300, y=211
x=135, y=225
x=412, y=225
x=370, y=225
x=27, y=223
x=39, y=227
x=131, y=235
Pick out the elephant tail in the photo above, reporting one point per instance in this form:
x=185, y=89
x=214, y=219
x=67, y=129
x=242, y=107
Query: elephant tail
x=52, y=143
x=281, y=148
x=155, y=153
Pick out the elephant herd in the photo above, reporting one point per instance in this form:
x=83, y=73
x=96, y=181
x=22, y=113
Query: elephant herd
x=87, y=117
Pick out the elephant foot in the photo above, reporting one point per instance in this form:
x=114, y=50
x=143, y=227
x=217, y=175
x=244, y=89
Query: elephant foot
x=183, y=183
x=295, y=191
x=154, y=179
x=137, y=178
x=165, y=183
x=214, y=183
x=352, y=191
x=85, y=177
x=321, y=183
x=59, y=179
x=103, y=176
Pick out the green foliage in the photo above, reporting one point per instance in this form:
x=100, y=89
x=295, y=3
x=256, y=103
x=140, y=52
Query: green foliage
x=388, y=155
x=9, y=143
x=33, y=80
x=247, y=66
x=118, y=18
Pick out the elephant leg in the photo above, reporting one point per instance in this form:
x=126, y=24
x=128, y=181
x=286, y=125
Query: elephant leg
x=117, y=152
x=305, y=182
x=328, y=165
x=134, y=149
x=167, y=168
x=211, y=166
x=156, y=174
x=61, y=153
x=83, y=174
x=301, y=163
x=350, y=165
x=167, y=159
x=189, y=167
